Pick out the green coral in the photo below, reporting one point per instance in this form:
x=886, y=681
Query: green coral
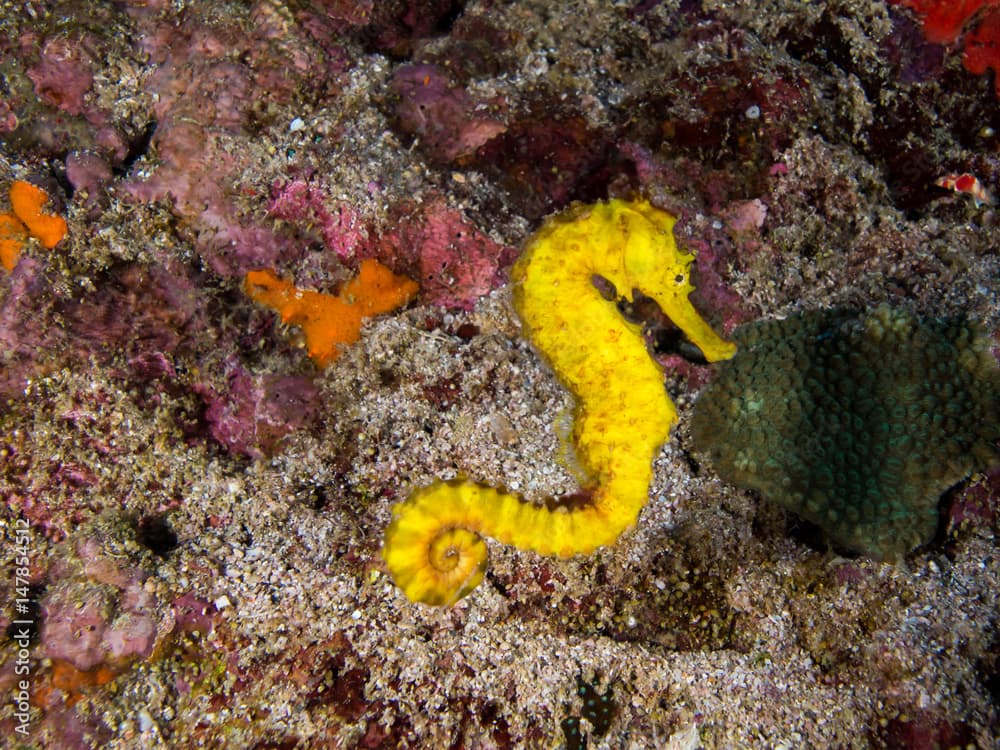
x=857, y=423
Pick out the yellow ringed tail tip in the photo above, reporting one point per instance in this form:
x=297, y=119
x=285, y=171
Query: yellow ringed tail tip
x=433, y=547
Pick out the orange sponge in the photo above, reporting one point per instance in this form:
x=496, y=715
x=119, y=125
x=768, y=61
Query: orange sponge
x=13, y=235
x=27, y=219
x=329, y=321
x=27, y=201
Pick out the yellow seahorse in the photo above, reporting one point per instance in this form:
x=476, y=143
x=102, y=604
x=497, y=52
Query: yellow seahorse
x=434, y=547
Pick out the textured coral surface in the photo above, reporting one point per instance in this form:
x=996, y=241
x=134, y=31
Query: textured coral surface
x=856, y=423
x=193, y=510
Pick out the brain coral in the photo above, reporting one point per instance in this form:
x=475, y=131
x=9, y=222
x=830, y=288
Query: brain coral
x=857, y=423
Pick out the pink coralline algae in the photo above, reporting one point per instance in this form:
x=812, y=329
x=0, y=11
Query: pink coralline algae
x=206, y=80
x=976, y=504
x=8, y=118
x=62, y=76
x=142, y=312
x=194, y=615
x=84, y=627
x=101, y=614
x=51, y=104
x=544, y=159
x=713, y=257
x=193, y=161
x=88, y=173
x=144, y=315
x=338, y=225
x=454, y=262
x=448, y=123
x=183, y=177
x=743, y=217
x=24, y=335
x=257, y=412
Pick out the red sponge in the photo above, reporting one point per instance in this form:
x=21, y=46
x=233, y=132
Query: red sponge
x=982, y=47
x=944, y=21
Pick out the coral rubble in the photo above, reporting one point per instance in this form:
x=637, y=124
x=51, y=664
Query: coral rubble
x=856, y=423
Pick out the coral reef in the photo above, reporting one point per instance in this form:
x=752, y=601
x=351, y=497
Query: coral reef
x=183, y=479
x=448, y=122
x=338, y=225
x=433, y=547
x=119, y=622
x=855, y=423
x=99, y=611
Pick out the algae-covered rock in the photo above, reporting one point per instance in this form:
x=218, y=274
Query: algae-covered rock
x=857, y=423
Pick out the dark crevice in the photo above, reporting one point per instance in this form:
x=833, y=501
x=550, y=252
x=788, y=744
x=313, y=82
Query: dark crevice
x=155, y=533
x=137, y=148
